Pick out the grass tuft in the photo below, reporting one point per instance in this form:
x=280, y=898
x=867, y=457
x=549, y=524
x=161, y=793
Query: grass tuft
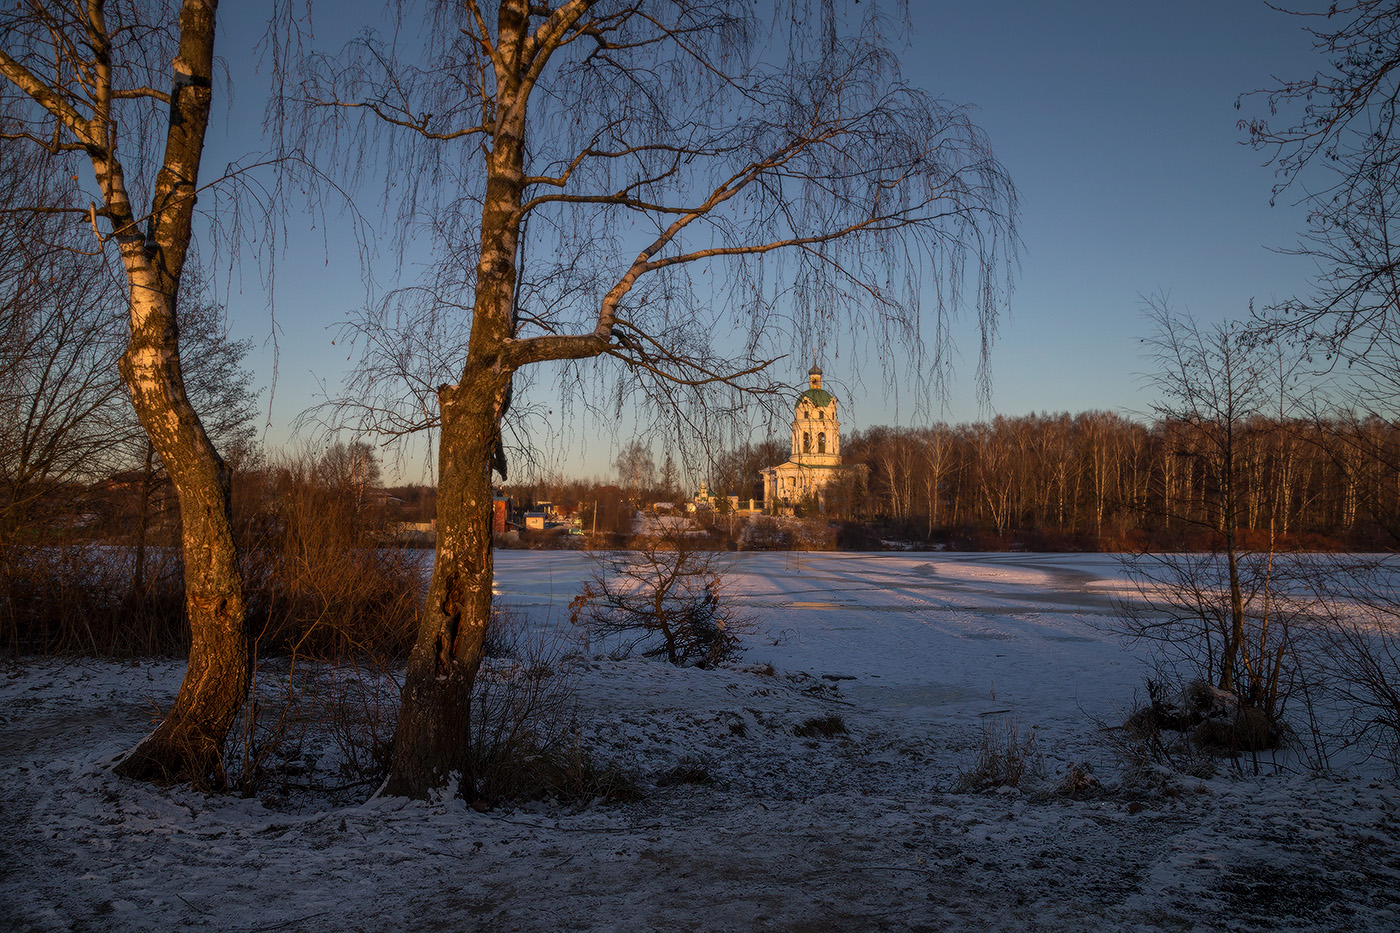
x=1006, y=757
x=824, y=727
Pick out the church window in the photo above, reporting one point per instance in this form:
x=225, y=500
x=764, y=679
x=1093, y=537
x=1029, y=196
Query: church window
x=806, y=442
x=821, y=443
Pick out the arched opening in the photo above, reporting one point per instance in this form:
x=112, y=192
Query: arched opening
x=806, y=442
x=821, y=443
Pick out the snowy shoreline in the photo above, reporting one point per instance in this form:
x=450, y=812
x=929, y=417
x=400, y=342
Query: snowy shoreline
x=915, y=653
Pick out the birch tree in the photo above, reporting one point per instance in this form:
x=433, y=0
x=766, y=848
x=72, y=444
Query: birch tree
x=672, y=185
x=84, y=82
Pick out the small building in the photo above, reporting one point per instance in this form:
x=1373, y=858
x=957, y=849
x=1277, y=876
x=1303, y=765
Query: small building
x=702, y=500
x=500, y=512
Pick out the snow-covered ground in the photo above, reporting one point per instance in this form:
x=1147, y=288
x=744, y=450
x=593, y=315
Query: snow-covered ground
x=918, y=654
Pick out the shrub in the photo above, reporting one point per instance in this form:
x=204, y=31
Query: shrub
x=785, y=533
x=76, y=598
x=521, y=713
x=525, y=741
x=318, y=581
x=666, y=598
x=1355, y=634
x=1182, y=730
x=312, y=728
x=1213, y=620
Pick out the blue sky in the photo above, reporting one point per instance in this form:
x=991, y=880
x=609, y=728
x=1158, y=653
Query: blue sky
x=1117, y=122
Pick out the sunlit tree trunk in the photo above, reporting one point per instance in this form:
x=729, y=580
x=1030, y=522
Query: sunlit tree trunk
x=431, y=744
x=188, y=743
x=153, y=244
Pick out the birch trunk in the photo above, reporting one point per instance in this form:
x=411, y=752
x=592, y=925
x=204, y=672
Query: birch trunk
x=188, y=743
x=431, y=745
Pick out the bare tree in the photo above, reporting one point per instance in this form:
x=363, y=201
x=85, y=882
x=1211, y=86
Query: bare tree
x=591, y=165
x=636, y=468
x=666, y=597
x=61, y=400
x=1220, y=611
x=669, y=481
x=83, y=81
x=1354, y=608
x=1338, y=153
x=740, y=471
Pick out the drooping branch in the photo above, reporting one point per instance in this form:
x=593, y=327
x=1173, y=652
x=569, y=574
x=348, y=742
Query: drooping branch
x=1338, y=151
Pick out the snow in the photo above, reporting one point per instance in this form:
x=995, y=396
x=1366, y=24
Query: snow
x=916, y=652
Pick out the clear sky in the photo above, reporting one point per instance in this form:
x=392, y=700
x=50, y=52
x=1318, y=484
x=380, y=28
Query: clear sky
x=1117, y=122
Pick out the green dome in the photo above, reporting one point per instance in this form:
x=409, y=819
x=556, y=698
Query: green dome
x=818, y=397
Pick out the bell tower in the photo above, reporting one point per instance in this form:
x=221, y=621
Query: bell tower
x=815, y=463
x=816, y=431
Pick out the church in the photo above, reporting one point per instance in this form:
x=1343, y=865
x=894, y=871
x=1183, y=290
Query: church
x=816, y=451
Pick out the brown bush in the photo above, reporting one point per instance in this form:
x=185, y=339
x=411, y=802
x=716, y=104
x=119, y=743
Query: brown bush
x=1248, y=730
x=319, y=580
x=77, y=598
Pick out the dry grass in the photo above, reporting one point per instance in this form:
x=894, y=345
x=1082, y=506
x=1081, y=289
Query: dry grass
x=1005, y=757
x=525, y=739
x=78, y=599
x=824, y=727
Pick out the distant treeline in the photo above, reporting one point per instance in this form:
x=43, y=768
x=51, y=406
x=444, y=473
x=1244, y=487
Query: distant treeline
x=1098, y=480
x=1090, y=481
